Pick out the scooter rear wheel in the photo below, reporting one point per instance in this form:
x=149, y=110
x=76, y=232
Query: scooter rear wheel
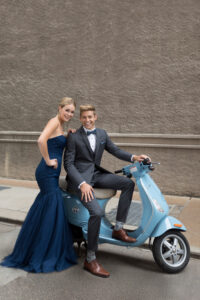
x=171, y=251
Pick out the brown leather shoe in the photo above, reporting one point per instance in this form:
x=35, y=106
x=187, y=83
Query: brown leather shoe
x=95, y=268
x=122, y=235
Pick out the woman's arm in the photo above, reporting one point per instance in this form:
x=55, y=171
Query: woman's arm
x=47, y=132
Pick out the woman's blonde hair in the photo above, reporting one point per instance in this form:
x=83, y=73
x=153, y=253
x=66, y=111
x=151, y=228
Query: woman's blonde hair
x=66, y=100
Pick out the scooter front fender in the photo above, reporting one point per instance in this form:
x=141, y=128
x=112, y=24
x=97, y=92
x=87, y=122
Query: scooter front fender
x=166, y=224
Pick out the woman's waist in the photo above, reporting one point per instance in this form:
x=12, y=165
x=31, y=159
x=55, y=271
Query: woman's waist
x=52, y=156
x=44, y=168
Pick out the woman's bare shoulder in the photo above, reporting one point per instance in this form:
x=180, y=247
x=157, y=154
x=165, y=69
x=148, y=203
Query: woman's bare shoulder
x=53, y=121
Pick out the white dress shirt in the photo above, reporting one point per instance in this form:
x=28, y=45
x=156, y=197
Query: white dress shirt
x=91, y=139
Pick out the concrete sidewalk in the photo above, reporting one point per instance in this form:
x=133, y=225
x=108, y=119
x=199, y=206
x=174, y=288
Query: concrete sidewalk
x=16, y=197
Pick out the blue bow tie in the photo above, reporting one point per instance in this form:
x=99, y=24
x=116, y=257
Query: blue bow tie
x=91, y=132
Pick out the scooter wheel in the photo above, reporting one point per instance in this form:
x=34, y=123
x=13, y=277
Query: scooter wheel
x=171, y=251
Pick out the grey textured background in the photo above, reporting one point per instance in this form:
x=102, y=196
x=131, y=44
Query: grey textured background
x=136, y=60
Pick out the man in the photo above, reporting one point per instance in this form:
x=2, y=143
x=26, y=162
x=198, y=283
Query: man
x=82, y=160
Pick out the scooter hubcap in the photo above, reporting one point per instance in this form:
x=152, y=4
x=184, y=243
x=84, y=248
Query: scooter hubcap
x=173, y=250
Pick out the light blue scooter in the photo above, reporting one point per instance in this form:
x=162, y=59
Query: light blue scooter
x=170, y=248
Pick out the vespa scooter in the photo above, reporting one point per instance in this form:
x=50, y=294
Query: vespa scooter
x=170, y=247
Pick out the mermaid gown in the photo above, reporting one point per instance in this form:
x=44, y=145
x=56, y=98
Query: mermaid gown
x=45, y=243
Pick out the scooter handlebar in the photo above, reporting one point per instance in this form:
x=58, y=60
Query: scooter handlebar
x=146, y=161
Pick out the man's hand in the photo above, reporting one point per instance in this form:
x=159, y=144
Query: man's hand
x=86, y=192
x=140, y=157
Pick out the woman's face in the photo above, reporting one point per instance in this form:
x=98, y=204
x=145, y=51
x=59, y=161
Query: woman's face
x=66, y=112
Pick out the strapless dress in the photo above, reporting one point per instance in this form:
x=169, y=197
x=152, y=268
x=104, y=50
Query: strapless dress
x=44, y=243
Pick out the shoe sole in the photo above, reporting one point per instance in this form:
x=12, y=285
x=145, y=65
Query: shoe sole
x=123, y=241
x=99, y=275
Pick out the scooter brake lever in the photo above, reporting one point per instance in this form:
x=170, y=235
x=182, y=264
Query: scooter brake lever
x=152, y=168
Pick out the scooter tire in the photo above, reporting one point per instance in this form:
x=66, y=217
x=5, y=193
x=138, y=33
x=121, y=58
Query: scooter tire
x=171, y=251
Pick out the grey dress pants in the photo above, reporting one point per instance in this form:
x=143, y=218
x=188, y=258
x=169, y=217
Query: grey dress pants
x=107, y=181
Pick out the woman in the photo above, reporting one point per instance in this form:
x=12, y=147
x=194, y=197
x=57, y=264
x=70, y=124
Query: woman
x=44, y=243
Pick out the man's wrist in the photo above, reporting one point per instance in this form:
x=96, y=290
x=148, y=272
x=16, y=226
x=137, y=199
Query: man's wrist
x=81, y=184
x=133, y=157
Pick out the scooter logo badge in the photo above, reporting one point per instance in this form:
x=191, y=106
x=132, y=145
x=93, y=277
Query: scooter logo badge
x=75, y=210
x=133, y=169
x=157, y=205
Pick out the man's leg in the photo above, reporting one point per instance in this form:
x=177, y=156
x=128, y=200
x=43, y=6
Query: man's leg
x=96, y=213
x=126, y=185
x=94, y=223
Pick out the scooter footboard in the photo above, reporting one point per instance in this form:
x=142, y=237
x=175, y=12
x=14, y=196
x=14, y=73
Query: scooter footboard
x=166, y=224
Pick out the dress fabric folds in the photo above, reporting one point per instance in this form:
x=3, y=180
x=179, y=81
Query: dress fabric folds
x=44, y=243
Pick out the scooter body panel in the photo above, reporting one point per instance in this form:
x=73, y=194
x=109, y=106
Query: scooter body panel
x=78, y=215
x=166, y=224
x=154, y=222
x=75, y=212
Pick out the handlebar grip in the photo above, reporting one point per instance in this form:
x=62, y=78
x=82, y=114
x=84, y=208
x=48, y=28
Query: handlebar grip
x=118, y=171
x=146, y=161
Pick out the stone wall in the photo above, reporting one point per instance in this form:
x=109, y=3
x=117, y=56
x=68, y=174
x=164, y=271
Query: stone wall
x=136, y=60
x=178, y=173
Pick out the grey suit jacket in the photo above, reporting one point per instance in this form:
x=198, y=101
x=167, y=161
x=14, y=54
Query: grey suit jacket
x=79, y=159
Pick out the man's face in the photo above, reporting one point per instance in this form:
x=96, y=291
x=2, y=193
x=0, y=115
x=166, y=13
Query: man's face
x=88, y=119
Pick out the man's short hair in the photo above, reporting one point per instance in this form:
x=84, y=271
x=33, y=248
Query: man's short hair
x=87, y=107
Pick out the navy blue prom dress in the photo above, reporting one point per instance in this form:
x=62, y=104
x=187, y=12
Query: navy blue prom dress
x=45, y=243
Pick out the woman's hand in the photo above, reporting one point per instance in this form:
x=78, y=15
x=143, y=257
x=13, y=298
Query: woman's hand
x=53, y=163
x=71, y=130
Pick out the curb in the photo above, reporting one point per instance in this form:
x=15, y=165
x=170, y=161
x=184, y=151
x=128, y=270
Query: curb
x=194, y=252
x=11, y=221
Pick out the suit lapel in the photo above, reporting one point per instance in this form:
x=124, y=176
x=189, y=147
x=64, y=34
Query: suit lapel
x=97, y=142
x=84, y=136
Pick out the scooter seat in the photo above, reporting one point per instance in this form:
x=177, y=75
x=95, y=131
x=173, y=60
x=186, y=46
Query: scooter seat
x=99, y=193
